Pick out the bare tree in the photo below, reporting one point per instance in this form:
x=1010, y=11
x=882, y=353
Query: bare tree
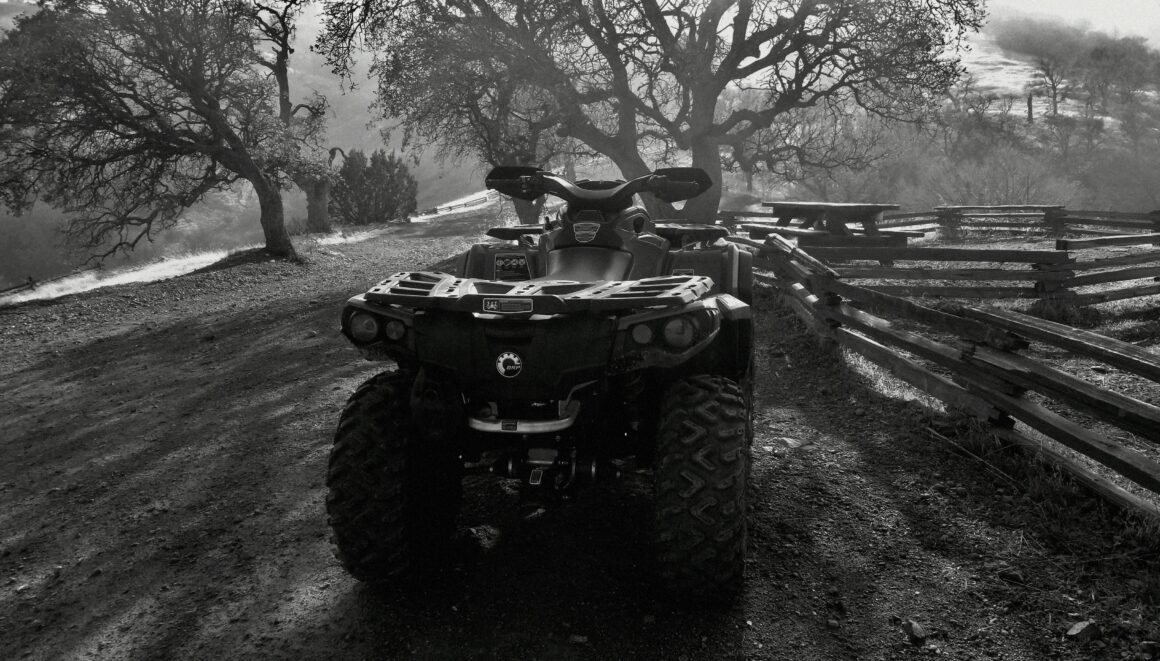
x=634, y=78
x=806, y=142
x=307, y=161
x=1055, y=79
x=126, y=112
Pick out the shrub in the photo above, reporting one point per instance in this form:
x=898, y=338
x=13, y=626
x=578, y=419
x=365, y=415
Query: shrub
x=374, y=190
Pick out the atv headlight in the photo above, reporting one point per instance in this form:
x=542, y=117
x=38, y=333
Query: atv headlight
x=680, y=332
x=364, y=327
x=642, y=334
x=396, y=330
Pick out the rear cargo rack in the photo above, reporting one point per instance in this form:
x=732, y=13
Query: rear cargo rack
x=420, y=289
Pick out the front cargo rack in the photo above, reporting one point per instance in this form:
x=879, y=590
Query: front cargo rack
x=420, y=289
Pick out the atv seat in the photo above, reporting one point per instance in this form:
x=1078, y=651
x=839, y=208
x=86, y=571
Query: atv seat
x=588, y=263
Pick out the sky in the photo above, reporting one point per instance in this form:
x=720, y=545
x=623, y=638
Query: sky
x=1123, y=17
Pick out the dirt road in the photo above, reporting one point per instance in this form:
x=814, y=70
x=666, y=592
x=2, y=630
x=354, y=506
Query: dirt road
x=161, y=496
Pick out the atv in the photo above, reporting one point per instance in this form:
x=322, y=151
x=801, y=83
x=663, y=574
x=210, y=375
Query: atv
x=556, y=357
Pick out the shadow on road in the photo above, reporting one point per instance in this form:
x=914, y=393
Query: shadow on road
x=163, y=498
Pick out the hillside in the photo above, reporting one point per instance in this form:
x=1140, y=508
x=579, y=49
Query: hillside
x=995, y=70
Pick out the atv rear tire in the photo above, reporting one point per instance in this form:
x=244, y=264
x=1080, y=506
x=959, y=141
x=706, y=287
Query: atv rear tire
x=393, y=497
x=701, y=470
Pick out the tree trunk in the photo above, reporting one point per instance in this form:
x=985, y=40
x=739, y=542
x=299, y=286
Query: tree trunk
x=317, y=204
x=703, y=208
x=528, y=212
x=273, y=220
x=631, y=166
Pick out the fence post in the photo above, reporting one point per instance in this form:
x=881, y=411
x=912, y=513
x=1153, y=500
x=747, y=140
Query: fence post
x=1053, y=289
x=950, y=222
x=1054, y=219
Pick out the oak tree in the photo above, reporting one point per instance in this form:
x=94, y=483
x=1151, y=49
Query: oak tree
x=126, y=112
x=636, y=79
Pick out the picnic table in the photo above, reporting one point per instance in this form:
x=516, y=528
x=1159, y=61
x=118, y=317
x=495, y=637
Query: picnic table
x=678, y=233
x=831, y=216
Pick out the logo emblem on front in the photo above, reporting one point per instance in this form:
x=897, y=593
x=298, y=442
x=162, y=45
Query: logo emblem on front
x=507, y=305
x=585, y=232
x=509, y=364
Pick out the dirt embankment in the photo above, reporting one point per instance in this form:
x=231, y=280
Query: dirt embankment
x=161, y=496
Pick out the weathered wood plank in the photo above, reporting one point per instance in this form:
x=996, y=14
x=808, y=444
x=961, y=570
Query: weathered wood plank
x=859, y=208
x=889, y=232
x=883, y=331
x=1123, y=355
x=916, y=375
x=1121, y=240
x=779, y=244
x=1142, y=215
x=761, y=231
x=886, y=273
x=1097, y=484
x=999, y=207
x=798, y=299
x=885, y=304
x=944, y=255
x=1142, y=225
x=934, y=291
x=795, y=270
x=887, y=217
x=1116, y=295
x=972, y=222
x=1134, y=466
x=910, y=222
x=862, y=240
x=1125, y=260
x=1002, y=214
x=746, y=214
x=1137, y=417
x=1090, y=231
x=1115, y=276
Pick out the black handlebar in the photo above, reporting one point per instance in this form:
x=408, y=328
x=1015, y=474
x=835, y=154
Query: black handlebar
x=670, y=185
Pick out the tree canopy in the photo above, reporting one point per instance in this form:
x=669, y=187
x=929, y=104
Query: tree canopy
x=635, y=80
x=126, y=112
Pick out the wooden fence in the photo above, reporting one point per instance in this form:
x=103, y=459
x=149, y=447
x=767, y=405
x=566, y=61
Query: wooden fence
x=969, y=358
x=477, y=200
x=1055, y=220
x=1055, y=275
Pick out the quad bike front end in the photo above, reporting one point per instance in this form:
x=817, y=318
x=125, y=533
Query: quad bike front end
x=554, y=360
x=549, y=363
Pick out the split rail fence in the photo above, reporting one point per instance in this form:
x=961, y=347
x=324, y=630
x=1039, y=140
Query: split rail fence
x=1076, y=272
x=969, y=356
